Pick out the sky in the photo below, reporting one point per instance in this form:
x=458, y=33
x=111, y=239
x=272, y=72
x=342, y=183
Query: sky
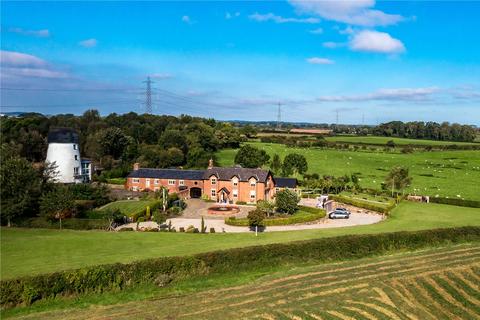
x=364, y=61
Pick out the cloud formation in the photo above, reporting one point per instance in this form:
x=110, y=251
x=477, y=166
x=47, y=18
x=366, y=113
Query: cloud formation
x=316, y=31
x=89, y=43
x=394, y=94
x=161, y=76
x=333, y=45
x=316, y=60
x=187, y=20
x=375, y=41
x=229, y=15
x=279, y=19
x=18, y=65
x=358, y=12
x=44, y=33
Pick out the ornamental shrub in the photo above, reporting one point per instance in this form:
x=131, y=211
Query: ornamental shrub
x=256, y=217
x=286, y=201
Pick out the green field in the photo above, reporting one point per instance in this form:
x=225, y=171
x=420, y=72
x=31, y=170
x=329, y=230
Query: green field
x=445, y=173
x=33, y=251
x=430, y=284
x=375, y=140
x=127, y=207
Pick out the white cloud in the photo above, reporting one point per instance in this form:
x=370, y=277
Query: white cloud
x=316, y=60
x=187, y=20
x=358, y=12
x=403, y=94
x=229, y=15
x=374, y=41
x=279, y=19
x=161, y=75
x=44, y=33
x=89, y=43
x=332, y=45
x=17, y=64
x=316, y=31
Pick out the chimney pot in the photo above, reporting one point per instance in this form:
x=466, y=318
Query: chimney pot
x=210, y=163
x=136, y=166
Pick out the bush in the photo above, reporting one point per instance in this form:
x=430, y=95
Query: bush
x=117, y=276
x=256, y=217
x=126, y=229
x=240, y=203
x=306, y=214
x=363, y=204
x=70, y=223
x=181, y=229
x=286, y=201
x=456, y=202
x=212, y=230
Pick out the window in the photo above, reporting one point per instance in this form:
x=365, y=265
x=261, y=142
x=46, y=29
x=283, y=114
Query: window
x=213, y=193
x=252, y=195
x=253, y=182
x=134, y=188
x=213, y=180
x=235, y=193
x=277, y=189
x=74, y=147
x=171, y=182
x=76, y=170
x=181, y=182
x=235, y=181
x=76, y=157
x=156, y=181
x=135, y=180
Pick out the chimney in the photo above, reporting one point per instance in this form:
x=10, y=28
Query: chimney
x=136, y=166
x=210, y=163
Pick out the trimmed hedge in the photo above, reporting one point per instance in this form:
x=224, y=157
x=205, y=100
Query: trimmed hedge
x=70, y=223
x=456, y=202
x=363, y=203
x=306, y=214
x=117, y=276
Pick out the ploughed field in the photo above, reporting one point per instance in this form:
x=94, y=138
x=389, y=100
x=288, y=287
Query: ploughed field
x=34, y=251
x=431, y=284
x=454, y=174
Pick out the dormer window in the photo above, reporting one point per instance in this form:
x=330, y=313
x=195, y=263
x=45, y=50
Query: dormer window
x=235, y=181
x=253, y=182
x=213, y=180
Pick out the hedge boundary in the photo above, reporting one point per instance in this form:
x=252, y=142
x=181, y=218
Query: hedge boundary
x=117, y=276
x=313, y=214
x=456, y=202
x=363, y=204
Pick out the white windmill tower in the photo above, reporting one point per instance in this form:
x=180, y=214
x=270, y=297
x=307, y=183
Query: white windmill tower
x=64, y=151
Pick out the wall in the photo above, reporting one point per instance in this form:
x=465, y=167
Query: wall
x=63, y=154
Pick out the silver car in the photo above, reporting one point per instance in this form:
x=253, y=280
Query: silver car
x=339, y=214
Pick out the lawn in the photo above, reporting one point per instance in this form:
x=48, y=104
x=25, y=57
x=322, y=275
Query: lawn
x=127, y=207
x=435, y=283
x=34, y=251
x=376, y=140
x=442, y=173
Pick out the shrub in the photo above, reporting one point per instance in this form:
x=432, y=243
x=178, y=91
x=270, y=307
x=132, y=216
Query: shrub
x=286, y=201
x=181, y=229
x=303, y=216
x=70, y=223
x=240, y=203
x=456, y=202
x=212, y=230
x=116, y=276
x=256, y=217
x=126, y=229
x=190, y=229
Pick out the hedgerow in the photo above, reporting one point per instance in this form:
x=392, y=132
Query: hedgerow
x=117, y=276
x=363, y=204
x=456, y=202
x=305, y=214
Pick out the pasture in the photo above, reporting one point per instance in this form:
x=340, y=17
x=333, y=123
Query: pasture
x=127, y=207
x=442, y=173
x=33, y=251
x=377, y=140
x=430, y=284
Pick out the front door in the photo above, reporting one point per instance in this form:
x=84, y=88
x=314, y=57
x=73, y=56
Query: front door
x=223, y=197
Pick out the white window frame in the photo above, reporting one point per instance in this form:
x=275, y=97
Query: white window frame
x=213, y=181
x=147, y=183
x=235, y=193
x=253, y=194
x=76, y=157
x=76, y=171
x=172, y=182
x=74, y=147
x=135, y=180
x=156, y=181
x=235, y=181
x=134, y=188
x=181, y=182
x=213, y=193
x=253, y=182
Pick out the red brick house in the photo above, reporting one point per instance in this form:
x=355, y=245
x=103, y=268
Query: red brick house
x=227, y=185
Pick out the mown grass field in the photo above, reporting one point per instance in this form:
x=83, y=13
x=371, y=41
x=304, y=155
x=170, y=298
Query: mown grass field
x=431, y=284
x=33, y=251
x=376, y=140
x=442, y=173
x=127, y=207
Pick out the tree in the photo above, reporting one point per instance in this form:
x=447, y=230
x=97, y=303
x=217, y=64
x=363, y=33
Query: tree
x=398, y=179
x=276, y=164
x=251, y=157
x=58, y=204
x=390, y=144
x=113, y=216
x=255, y=218
x=113, y=142
x=294, y=163
x=266, y=206
x=248, y=131
x=20, y=187
x=286, y=201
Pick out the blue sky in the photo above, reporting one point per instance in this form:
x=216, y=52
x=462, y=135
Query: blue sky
x=370, y=61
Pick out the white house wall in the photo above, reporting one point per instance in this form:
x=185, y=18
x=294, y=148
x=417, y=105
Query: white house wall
x=63, y=155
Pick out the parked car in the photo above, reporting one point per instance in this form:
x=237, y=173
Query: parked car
x=339, y=214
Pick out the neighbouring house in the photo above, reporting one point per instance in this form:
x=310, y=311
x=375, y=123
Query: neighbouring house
x=64, y=151
x=224, y=185
x=286, y=183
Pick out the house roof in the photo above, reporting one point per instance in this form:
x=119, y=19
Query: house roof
x=167, y=174
x=285, y=182
x=62, y=135
x=243, y=174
